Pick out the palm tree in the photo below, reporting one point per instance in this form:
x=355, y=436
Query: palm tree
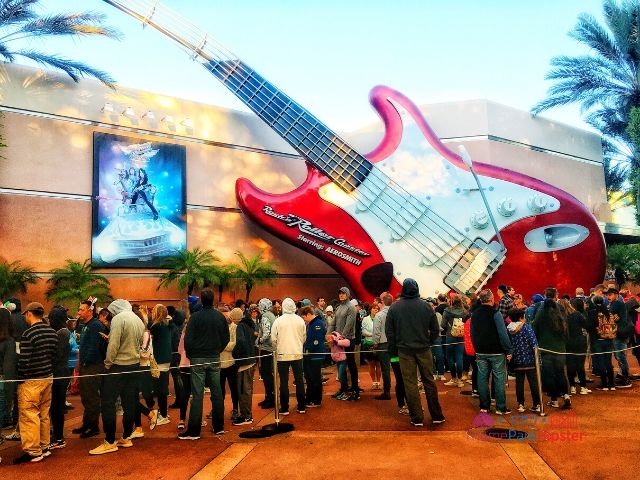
x=190, y=268
x=19, y=22
x=14, y=278
x=254, y=271
x=76, y=282
x=224, y=278
x=604, y=83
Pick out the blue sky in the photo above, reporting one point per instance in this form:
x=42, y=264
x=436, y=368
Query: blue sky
x=328, y=54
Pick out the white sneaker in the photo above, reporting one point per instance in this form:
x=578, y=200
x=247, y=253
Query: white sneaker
x=124, y=443
x=584, y=391
x=451, y=383
x=521, y=408
x=163, y=420
x=104, y=447
x=460, y=384
x=573, y=390
x=137, y=433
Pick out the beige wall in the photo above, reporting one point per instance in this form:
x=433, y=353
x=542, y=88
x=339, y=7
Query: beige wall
x=46, y=178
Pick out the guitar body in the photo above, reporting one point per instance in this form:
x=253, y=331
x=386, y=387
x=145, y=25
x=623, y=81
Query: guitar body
x=329, y=223
x=411, y=207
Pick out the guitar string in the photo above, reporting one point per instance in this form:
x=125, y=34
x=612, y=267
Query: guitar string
x=250, y=77
x=376, y=172
x=371, y=168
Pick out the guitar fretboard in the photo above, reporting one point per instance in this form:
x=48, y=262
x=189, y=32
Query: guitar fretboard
x=325, y=150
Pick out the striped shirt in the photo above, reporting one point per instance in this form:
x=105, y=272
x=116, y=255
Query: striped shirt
x=38, y=347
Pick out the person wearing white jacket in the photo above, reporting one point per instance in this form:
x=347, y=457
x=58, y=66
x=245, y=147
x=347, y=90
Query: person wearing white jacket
x=288, y=334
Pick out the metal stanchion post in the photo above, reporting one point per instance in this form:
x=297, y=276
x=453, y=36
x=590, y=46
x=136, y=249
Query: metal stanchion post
x=273, y=428
x=536, y=352
x=276, y=388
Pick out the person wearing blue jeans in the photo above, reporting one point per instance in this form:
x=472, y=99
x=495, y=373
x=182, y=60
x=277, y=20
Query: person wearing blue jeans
x=491, y=343
x=206, y=335
x=438, y=358
x=619, y=346
x=494, y=364
x=205, y=370
x=455, y=355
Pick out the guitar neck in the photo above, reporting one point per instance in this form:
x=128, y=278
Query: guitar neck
x=323, y=148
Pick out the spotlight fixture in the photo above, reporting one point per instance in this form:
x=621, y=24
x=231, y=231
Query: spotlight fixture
x=168, y=119
x=149, y=115
x=187, y=123
x=129, y=112
x=107, y=108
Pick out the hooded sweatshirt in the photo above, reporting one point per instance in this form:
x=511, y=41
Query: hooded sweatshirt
x=411, y=324
x=345, y=317
x=289, y=332
x=125, y=336
x=266, y=321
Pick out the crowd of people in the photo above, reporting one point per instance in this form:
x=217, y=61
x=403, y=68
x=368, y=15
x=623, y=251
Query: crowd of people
x=122, y=356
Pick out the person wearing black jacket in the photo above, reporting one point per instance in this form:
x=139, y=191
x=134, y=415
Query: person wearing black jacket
x=58, y=321
x=620, y=343
x=243, y=354
x=92, y=349
x=491, y=343
x=205, y=337
x=576, y=343
x=411, y=328
x=176, y=323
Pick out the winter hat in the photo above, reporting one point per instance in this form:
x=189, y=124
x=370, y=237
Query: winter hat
x=118, y=306
x=329, y=308
x=236, y=314
x=288, y=306
x=537, y=298
x=306, y=302
x=353, y=302
x=265, y=305
x=9, y=305
x=345, y=290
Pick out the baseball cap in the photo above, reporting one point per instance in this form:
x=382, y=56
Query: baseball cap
x=34, y=307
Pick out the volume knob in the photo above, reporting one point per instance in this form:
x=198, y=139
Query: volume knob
x=479, y=220
x=537, y=203
x=506, y=207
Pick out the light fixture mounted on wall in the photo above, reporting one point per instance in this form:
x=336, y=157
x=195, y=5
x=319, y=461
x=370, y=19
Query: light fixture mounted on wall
x=168, y=119
x=187, y=123
x=129, y=112
x=107, y=108
x=149, y=115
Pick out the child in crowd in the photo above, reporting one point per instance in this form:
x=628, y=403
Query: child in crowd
x=523, y=341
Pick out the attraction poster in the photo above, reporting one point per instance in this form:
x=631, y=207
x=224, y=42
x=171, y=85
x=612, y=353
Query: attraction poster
x=139, y=201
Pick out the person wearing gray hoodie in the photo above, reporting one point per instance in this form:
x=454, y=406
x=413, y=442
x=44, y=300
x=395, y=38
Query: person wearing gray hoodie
x=123, y=358
x=264, y=344
x=345, y=317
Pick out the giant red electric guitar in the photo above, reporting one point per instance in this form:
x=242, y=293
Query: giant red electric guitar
x=418, y=211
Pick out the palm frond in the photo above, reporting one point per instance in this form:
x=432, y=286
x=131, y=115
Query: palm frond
x=69, y=24
x=74, y=69
x=13, y=12
x=593, y=35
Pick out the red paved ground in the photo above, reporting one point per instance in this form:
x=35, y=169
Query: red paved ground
x=367, y=438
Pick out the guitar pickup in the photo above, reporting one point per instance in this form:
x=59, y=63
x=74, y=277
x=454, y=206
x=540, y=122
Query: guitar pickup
x=475, y=266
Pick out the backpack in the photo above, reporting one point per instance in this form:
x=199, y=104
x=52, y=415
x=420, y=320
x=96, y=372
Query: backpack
x=457, y=328
x=607, y=327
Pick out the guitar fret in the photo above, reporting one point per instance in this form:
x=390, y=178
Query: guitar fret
x=305, y=133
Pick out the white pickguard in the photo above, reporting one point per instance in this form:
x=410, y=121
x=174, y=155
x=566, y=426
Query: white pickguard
x=448, y=191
